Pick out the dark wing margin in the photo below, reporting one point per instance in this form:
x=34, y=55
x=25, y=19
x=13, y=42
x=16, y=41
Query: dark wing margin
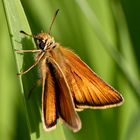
x=88, y=90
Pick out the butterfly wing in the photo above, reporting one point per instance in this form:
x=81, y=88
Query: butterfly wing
x=88, y=90
x=49, y=111
x=65, y=105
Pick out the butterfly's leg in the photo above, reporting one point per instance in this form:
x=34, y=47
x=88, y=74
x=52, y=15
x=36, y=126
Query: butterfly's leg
x=35, y=63
x=21, y=51
x=34, y=51
x=24, y=72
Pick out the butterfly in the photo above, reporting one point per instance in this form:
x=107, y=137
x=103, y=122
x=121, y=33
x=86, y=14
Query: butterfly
x=68, y=84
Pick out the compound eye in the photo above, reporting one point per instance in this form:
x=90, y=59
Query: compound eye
x=40, y=44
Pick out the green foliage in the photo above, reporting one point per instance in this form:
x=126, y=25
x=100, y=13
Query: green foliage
x=101, y=33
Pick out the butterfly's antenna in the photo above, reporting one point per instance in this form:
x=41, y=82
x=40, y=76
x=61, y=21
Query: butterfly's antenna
x=54, y=17
x=27, y=34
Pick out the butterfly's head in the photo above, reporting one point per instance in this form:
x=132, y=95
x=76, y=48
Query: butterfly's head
x=44, y=41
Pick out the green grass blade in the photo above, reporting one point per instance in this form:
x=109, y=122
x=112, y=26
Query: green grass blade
x=17, y=21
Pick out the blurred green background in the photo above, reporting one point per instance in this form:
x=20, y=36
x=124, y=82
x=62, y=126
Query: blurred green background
x=105, y=34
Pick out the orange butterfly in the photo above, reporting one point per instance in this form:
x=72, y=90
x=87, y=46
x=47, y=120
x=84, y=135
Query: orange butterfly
x=68, y=84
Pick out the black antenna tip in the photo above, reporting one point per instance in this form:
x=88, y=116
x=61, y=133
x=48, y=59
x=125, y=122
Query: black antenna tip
x=57, y=11
x=21, y=31
x=26, y=33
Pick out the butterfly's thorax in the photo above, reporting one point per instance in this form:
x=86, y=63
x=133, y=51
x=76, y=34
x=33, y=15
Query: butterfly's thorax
x=50, y=49
x=57, y=55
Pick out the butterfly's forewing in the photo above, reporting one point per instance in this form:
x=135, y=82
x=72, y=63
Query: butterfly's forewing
x=88, y=90
x=65, y=105
x=49, y=111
